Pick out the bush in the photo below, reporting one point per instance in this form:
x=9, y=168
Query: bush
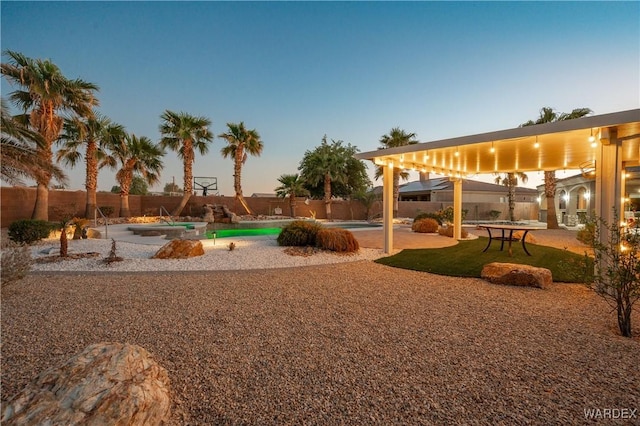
x=16, y=262
x=29, y=231
x=299, y=233
x=337, y=239
x=425, y=226
x=107, y=210
x=448, y=232
x=429, y=215
x=586, y=234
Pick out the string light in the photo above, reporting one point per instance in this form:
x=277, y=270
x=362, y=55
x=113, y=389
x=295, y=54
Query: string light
x=536, y=145
x=492, y=150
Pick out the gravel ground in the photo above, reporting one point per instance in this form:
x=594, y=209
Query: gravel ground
x=351, y=343
x=341, y=343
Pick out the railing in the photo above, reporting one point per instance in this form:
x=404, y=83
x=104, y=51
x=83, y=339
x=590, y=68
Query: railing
x=106, y=221
x=170, y=221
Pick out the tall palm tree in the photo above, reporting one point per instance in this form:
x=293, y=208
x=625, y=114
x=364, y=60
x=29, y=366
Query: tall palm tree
x=93, y=133
x=510, y=180
x=185, y=133
x=18, y=156
x=327, y=164
x=292, y=187
x=548, y=115
x=45, y=95
x=396, y=138
x=240, y=142
x=136, y=156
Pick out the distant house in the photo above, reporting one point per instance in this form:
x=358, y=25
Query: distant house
x=576, y=197
x=441, y=190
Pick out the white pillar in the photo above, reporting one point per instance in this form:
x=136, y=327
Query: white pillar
x=457, y=209
x=609, y=181
x=387, y=206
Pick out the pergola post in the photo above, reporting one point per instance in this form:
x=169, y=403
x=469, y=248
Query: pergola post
x=609, y=181
x=457, y=209
x=387, y=206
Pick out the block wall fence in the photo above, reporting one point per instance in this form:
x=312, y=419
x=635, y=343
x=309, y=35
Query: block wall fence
x=18, y=202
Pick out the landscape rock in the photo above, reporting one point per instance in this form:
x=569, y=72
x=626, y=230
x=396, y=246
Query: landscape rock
x=106, y=384
x=180, y=249
x=517, y=275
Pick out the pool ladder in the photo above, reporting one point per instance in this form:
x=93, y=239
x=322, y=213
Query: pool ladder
x=162, y=219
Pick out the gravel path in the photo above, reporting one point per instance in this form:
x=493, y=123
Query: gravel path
x=351, y=343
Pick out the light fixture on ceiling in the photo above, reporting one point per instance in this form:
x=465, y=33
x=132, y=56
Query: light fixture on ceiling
x=492, y=150
x=592, y=139
x=456, y=153
x=536, y=145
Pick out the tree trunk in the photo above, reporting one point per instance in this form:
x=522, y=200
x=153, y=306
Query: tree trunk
x=327, y=196
x=187, y=164
x=550, y=195
x=292, y=205
x=396, y=191
x=91, y=179
x=237, y=182
x=512, y=197
x=41, y=208
x=124, y=205
x=624, y=315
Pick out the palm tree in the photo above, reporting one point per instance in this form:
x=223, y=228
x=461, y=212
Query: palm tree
x=292, y=187
x=240, y=143
x=327, y=164
x=184, y=133
x=18, y=155
x=548, y=115
x=137, y=156
x=510, y=180
x=395, y=138
x=47, y=93
x=93, y=133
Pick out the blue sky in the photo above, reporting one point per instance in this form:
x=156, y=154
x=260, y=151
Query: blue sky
x=296, y=71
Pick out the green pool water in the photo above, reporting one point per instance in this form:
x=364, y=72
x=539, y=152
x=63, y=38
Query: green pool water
x=225, y=233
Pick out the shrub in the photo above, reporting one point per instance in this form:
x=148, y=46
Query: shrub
x=299, y=233
x=429, y=215
x=337, y=239
x=15, y=262
x=425, y=226
x=107, y=210
x=586, y=234
x=494, y=214
x=447, y=231
x=29, y=231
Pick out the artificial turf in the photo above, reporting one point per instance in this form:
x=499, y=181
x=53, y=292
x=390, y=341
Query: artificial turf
x=466, y=259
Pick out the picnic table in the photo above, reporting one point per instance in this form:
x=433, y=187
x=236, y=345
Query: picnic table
x=511, y=228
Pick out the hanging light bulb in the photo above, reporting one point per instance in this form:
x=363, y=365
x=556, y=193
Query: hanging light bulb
x=492, y=150
x=592, y=139
x=536, y=145
x=456, y=153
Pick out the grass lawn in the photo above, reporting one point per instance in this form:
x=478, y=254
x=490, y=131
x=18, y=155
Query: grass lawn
x=466, y=259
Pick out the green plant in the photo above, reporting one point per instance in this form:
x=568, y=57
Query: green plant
x=299, y=233
x=586, y=234
x=494, y=214
x=337, y=239
x=447, y=214
x=29, y=230
x=15, y=262
x=426, y=225
x=617, y=268
x=429, y=215
x=107, y=210
x=80, y=225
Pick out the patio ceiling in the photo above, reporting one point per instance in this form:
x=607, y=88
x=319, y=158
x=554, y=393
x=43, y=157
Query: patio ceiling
x=550, y=146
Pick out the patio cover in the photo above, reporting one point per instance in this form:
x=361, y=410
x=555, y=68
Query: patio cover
x=601, y=144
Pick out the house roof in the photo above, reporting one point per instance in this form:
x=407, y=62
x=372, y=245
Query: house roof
x=445, y=184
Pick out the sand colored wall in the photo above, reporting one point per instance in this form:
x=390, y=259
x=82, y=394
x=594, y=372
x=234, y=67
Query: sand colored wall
x=17, y=203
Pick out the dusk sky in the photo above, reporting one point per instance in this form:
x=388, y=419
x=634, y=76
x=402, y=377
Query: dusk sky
x=296, y=71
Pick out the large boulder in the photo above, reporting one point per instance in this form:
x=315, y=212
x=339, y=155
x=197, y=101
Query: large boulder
x=106, y=384
x=179, y=249
x=518, y=275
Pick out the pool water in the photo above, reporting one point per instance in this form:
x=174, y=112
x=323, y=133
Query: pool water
x=248, y=232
